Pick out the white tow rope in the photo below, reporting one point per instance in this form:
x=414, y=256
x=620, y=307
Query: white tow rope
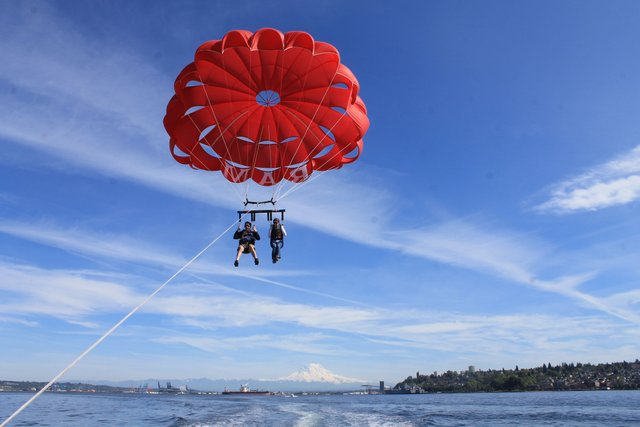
x=113, y=328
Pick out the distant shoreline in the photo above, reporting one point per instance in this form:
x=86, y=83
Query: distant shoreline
x=310, y=393
x=563, y=377
x=29, y=387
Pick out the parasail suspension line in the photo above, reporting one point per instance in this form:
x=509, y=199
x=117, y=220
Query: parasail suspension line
x=113, y=328
x=308, y=126
x=311, y=178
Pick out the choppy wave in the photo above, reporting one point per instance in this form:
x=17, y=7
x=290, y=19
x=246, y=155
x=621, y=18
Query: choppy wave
x=567, y=409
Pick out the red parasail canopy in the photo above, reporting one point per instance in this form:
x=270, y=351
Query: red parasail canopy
x=266, y=106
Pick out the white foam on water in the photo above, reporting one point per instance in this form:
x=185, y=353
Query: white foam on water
x=374, y=420
x=307, y=417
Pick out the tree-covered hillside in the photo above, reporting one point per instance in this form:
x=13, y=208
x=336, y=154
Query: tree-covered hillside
x=621, y=375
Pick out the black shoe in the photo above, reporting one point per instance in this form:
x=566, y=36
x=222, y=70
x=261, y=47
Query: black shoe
x=235, y=263
x=257, y=261
x=274, y=260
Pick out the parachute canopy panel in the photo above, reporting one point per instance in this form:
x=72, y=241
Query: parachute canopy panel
x=266, y=107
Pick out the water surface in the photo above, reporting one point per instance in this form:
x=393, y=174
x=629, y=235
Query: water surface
x=567, y=409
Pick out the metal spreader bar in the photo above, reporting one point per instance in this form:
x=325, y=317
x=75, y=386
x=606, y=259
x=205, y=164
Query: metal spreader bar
x=269, y=213
x=264, y=202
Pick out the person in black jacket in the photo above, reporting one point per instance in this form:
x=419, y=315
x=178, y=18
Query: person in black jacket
x=247, y=240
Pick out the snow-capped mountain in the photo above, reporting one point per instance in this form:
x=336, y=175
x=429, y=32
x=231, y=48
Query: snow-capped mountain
x=315, y=372
x=314, y=377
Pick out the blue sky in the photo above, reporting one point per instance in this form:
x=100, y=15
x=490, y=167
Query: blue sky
x=492, y=219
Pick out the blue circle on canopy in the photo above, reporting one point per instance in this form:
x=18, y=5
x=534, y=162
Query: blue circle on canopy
x=268, y=98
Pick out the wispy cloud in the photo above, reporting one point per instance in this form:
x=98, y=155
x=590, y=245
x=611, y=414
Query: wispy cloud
x=314, y=343
x=616, y=182
x=5, y=319
x=49, y=57
x=81, y=297
x=69, y=295
x=474, y=246
x=628, y=299
x=461, y=244
x=567, y=286
x=77, y=295
x=485, y=339
x=90, y=243
x=211, y=310
x=101, y=246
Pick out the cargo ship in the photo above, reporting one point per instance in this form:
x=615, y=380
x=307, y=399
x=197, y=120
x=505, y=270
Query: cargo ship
x=246, y=391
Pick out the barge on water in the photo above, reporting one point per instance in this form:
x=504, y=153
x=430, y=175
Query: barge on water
x=246, y=391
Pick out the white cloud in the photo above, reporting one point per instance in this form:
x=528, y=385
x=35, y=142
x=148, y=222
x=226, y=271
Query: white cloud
x=314, y=343
x=616, y=182
x=487, y=340
x=473, y=246
x=90, y=242
x=80, y=297
x=4, y=319
x=76, y=295
x=69, y=295
x=49, y=57
x=233, y=311
x=99, y=245
x=629, y=299
x=457, y=243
